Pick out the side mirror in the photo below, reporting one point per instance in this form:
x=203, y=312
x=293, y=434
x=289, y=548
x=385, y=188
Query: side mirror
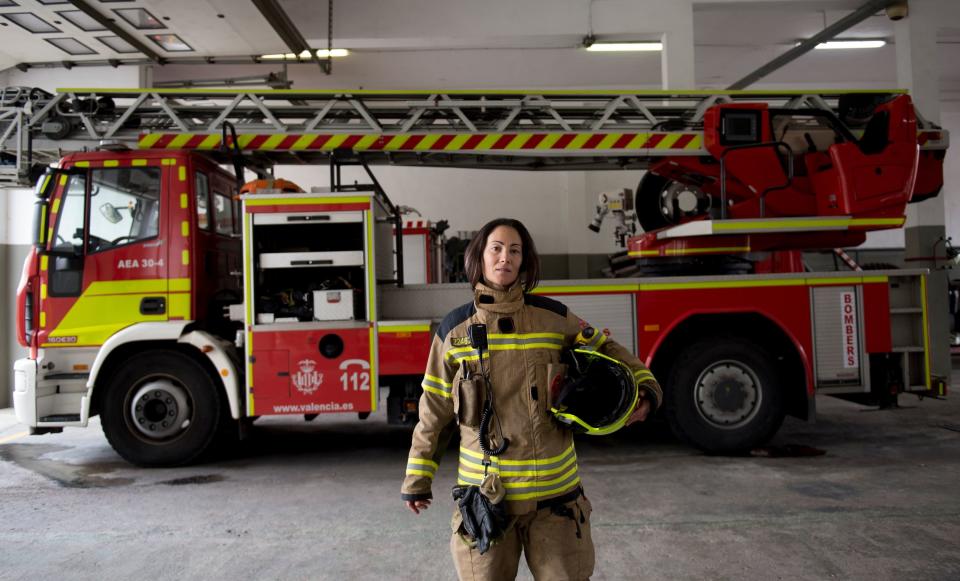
x=109, y=211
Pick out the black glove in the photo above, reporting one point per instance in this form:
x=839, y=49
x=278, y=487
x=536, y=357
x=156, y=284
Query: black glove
x=482, y=520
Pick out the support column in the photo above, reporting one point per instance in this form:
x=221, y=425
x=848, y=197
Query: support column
x=677, y=65
x=918, y=69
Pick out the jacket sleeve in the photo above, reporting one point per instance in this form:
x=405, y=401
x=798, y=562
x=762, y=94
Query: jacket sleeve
x=604, y=344
x=436, y=424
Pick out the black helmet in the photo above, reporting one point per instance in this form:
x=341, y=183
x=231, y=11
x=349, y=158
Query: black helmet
x=597, y=395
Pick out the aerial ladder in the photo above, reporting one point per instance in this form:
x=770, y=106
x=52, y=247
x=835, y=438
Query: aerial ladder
x=728, y=172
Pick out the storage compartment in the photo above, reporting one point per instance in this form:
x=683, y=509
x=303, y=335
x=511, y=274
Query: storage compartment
x=300, y=258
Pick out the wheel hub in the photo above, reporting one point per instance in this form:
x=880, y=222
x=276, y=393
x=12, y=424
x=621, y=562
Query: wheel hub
x=728, y=394
x=160, y=409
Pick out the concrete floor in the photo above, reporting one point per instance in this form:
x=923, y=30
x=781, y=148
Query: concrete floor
x=321, y=501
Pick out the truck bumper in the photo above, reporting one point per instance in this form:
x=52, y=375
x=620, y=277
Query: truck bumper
x=25, y=391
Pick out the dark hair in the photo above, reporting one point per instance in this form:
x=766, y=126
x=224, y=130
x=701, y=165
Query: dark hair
x=529, y=262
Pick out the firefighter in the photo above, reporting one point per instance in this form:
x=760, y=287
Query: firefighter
x=527, y=458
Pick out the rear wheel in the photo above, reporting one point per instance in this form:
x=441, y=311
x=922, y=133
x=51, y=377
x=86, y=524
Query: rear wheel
x=722, y=395
x=161, y=408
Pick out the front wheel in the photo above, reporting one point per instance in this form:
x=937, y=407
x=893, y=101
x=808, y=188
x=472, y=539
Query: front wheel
x=723, y=395
x=161, y=408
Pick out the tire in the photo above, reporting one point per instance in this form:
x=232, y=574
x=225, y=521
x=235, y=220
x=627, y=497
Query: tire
x=743, y=416
x=162, y=408
x=657, y=202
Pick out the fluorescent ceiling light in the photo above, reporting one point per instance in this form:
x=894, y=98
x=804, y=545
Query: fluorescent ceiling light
x=71, y=46
x=170, y=42
x=321, y=53
x=837, y=44
x=625, y=46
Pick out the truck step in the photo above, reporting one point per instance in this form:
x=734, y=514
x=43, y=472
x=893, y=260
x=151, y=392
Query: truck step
x=61, y=418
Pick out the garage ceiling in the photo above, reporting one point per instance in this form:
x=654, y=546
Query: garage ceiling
x=732, y=37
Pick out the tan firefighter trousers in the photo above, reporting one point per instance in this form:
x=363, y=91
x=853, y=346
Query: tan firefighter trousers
x=554, y=539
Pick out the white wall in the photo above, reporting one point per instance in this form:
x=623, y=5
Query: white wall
x=52, y=79
x=555, y=206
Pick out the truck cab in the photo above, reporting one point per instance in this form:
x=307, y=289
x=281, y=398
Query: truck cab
x=121, y=238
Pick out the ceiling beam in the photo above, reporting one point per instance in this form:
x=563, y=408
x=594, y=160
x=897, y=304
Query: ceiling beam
x=112, y=26
x=286, y=29
x=857, y=16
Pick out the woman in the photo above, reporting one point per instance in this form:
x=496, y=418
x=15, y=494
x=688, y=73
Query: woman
x=526, y=334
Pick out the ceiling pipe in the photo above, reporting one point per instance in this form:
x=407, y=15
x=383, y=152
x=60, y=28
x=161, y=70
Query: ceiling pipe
x=287, y=30
x=112, y=26
x=857, y=16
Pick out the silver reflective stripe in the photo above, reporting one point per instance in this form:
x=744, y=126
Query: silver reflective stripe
x=436, y=385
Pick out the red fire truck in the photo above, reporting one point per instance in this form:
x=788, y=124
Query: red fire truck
x=177, y=311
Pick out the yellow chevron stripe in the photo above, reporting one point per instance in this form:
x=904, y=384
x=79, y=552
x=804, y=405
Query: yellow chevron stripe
x=334, y=142
x=638, y=141
x=179, y=141
x=272, y=142
x=456, y=143
x=668, y=141
x=244, y=139
x=427, y=142
x=608, y=141
x=303, y=142
x=696, y=142
x=488, y=141
x=519, y=141
x=578, y=141
x=548, y=141
x=209, y=142
x=365, y=142
x=148, y=140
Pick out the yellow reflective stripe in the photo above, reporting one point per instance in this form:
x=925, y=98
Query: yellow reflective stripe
x=423, y=461
x=43, y=291
x=185, y=228
x=543, y=493
x=518, y=473
x=403, y=328
x=926, y=329
x=138, y=162
x=525, y=335
x=437, y=380
x=526, y=483
x=435, y=391
x=56, y=206
x=44, y=260
x=183, y=201
x=111, y=163
x=168, y=161
x=83, y=164
x=415, y=472
x=540, y=461
x=308, y=201
x=522, y=346
x=185, y=257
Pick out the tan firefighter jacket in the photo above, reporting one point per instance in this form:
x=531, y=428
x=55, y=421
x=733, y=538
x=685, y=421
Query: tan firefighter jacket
x=526, y=334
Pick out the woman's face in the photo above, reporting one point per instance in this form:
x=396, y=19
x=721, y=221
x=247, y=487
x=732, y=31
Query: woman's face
x=502, y=257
